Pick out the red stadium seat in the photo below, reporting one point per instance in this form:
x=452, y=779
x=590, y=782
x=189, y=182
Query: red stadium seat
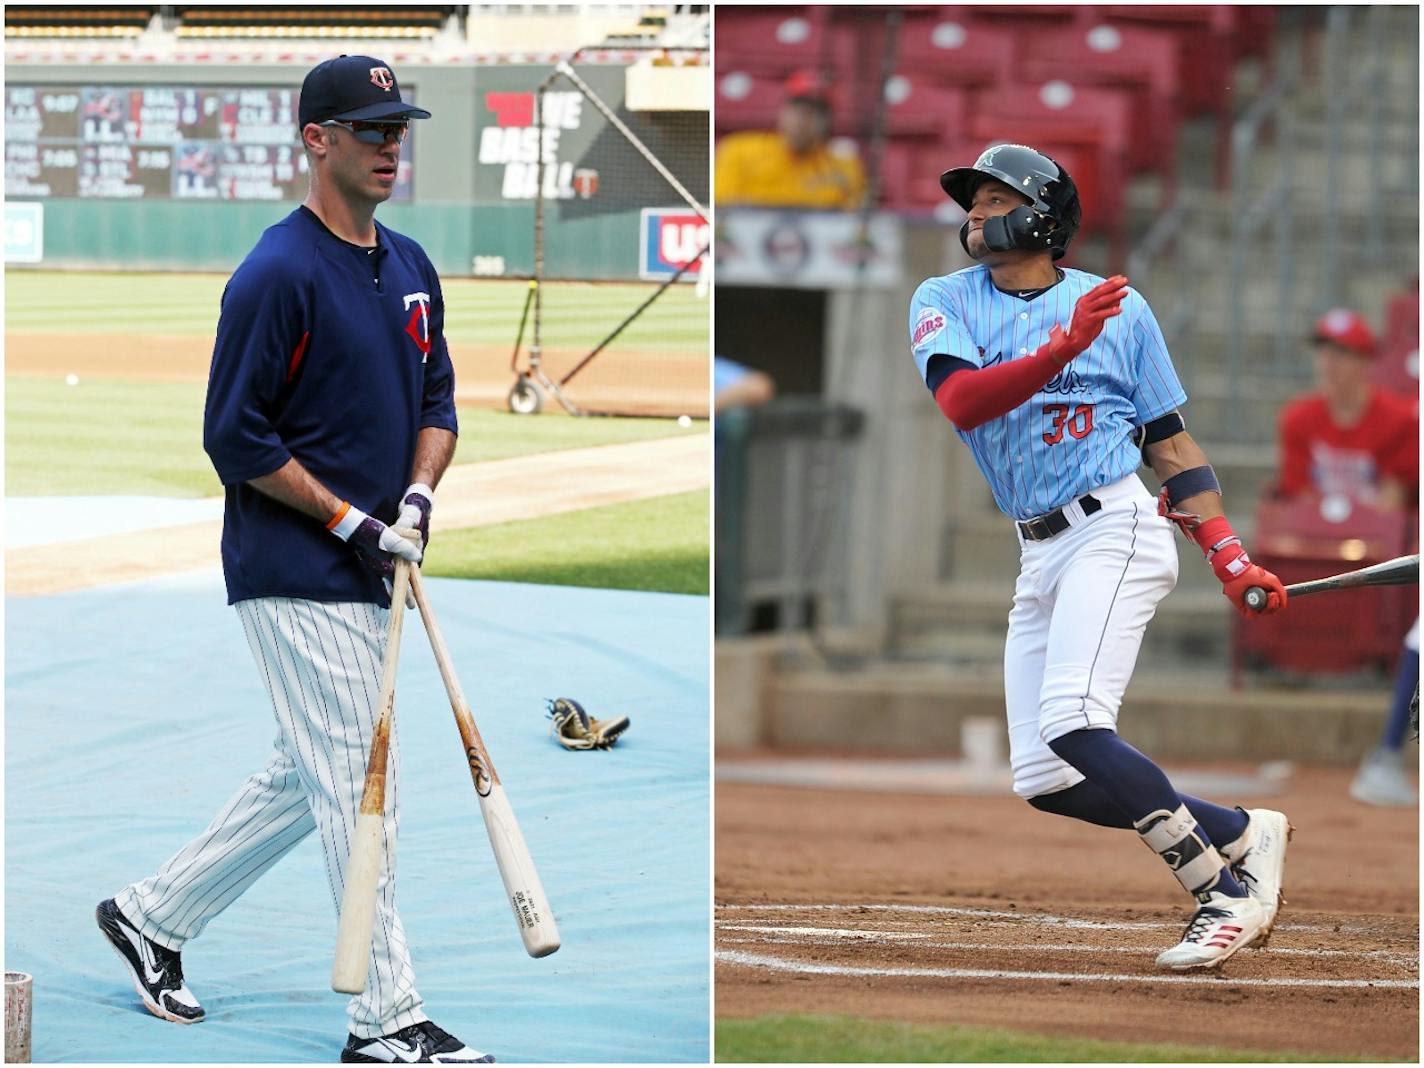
x=1330, y=632
x=771, y=39
x=915, y=107
x=1020, y=15
x=747, y=100
x=909, y=175
x=1055, y=116
x=1206, y=42
x=1397, y=366
x=948, y=47
x=1141, y=61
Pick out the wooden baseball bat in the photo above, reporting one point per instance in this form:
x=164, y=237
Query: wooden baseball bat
x=516, y=867
x=1397, y=572
x=356, y=925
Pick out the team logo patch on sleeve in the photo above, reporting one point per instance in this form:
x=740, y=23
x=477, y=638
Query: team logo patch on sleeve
x=418, y=325
x=929, y=323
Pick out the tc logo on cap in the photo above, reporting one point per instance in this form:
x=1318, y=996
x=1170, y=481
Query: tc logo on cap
x=382, y=78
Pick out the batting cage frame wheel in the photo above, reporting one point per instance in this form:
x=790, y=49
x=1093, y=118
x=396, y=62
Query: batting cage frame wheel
x=532, y=383
x=525, y=398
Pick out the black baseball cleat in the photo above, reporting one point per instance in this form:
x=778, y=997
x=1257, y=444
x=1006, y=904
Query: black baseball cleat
x=157, y=972
x=421, y=1043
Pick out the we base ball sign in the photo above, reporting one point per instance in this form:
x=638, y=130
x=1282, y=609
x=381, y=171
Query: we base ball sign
x=669, y=239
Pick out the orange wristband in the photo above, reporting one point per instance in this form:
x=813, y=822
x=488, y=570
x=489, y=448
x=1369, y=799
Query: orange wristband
x=331, y=523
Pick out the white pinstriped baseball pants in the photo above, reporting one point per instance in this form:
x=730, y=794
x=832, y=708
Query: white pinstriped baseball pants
x=322, y=667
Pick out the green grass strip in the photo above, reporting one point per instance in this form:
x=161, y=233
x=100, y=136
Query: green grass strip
x=660, y=543
x=477, y=311
x=115, y=436
x=842, y=1039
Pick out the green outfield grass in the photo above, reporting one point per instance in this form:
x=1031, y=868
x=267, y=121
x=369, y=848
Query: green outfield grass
x=110, y=436
x=577, y=314
x=844, y=1039
x=654, y=544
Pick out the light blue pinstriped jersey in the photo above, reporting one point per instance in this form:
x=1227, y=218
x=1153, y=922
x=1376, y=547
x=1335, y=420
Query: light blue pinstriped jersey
x=1077, y=432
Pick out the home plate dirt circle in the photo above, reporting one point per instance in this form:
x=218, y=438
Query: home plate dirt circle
x=944, y=942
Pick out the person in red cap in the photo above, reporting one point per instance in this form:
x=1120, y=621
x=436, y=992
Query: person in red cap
x=1350, y=439
x=1352, y=442
x=796, y=165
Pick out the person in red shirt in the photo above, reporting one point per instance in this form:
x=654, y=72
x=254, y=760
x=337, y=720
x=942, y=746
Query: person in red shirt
x=1350, y=439
x=1354, y=442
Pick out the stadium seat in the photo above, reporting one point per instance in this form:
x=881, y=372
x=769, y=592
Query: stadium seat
x=747, y=100
x=1206, y=42
x=1338, y=631
x=1141, y=61
x=909, y=175
x=943, y=45
x=775, y=40
x=1022, y=15
x=1397, y=368
x=915, y=107
x=1095, y=123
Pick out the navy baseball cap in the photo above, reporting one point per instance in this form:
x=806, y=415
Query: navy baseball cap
x=353, y=87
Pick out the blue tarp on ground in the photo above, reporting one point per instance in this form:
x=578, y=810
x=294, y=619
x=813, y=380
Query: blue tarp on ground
x=133, y=712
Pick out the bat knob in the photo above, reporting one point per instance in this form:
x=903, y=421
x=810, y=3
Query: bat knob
x=1255, y=598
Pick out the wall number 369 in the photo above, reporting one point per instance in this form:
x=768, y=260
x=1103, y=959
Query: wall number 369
x=1077, y=421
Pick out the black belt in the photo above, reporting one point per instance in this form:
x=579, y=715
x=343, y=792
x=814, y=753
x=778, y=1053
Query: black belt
x=1057, y=521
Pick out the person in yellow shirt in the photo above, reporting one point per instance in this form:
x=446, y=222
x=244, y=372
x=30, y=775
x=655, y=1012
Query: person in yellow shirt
x=793, y=166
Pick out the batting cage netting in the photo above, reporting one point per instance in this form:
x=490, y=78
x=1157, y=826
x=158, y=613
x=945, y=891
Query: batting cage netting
x=636, y=346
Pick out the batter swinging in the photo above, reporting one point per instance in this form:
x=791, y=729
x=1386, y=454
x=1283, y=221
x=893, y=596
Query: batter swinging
x=1060, y=384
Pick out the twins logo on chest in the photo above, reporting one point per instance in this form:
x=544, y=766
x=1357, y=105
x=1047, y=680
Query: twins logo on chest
x=418, y=325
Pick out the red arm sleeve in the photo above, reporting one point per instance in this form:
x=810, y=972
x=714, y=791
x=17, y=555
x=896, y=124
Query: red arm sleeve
x=971, y=398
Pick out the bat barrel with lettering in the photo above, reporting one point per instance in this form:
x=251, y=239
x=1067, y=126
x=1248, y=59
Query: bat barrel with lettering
x=532, y=914
x=1397, y=572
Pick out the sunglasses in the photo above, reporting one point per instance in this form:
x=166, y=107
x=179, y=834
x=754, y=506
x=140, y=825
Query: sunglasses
x=373, y=133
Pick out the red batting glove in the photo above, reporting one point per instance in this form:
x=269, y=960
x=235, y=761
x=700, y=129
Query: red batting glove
x=1093, y=310
x=1234, y=568
x=1256, y=575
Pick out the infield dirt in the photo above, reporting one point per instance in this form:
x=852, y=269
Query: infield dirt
x=631, y=381
x=877, y=905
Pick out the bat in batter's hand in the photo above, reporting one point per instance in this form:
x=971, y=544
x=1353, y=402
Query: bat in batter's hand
x=1397, y=572
x=356, y=925
x=516, y=867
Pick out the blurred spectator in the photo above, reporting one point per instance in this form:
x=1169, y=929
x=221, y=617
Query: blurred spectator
x=796, y=165
x=1351, y=440
x=737, y=386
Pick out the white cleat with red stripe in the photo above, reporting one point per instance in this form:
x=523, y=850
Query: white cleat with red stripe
x=1220, y=927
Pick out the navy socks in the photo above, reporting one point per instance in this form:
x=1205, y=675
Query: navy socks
x=1144, y=795
x=1089, y=803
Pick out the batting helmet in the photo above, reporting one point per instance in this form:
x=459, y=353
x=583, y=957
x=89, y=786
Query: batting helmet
x=1048, y=222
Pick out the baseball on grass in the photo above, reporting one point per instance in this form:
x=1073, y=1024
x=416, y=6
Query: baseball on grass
x=684, y=421
x=71, y=380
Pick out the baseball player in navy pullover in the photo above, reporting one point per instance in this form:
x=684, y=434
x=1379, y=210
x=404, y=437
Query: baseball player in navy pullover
x=331, y=389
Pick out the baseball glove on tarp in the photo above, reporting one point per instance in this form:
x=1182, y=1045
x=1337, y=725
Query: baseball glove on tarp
x=573, y=728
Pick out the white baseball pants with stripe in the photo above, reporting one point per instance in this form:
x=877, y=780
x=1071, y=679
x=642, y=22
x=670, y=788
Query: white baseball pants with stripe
x=322, y=667
x=1081, y=606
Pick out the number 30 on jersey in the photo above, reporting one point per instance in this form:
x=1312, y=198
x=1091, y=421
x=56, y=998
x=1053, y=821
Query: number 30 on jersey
x=1078, y=422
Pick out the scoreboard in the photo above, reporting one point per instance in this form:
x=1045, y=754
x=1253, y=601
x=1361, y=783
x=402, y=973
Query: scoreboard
x=114, y=142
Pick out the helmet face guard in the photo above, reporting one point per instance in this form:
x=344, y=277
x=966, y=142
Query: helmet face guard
x=1047, y=222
